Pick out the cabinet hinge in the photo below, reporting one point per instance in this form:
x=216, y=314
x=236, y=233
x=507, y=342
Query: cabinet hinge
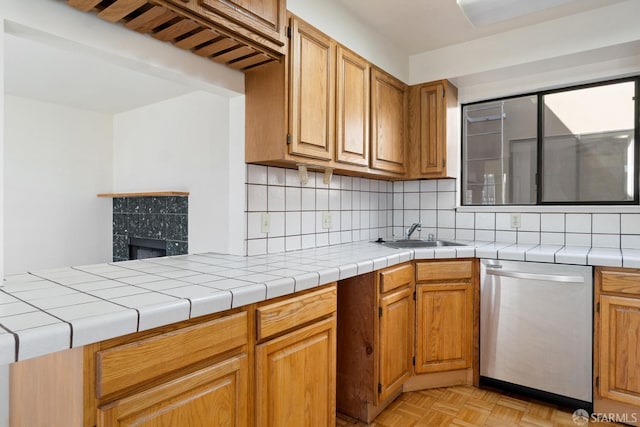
x=289, y=32
x=598, y=383
x=379, y=388
x=288, y=139
x=444, y=91
x=414, y=295
x=444, y=163
x=598, y=307
x=414, y=361
x=379, y=311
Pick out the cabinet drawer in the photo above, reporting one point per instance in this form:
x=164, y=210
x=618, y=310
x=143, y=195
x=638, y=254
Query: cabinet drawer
x=624, y=282
x=395, y=277
x=295, y=311
x=121, y=367
x=444, y=270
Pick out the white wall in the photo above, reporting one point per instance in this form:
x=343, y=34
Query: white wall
x=237, y=176
x=181, y=144
x=590, y=45
x=56, y=159
x=334, y=19
x=4, y=369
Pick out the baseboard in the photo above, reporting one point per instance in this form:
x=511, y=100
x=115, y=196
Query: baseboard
x=439, y=379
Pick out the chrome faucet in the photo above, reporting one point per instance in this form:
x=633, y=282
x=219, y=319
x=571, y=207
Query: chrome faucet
x=415, y=226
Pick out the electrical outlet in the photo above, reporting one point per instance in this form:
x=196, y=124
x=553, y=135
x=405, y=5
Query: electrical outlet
x=265, y=223
x=516, y=220
x=326, y=219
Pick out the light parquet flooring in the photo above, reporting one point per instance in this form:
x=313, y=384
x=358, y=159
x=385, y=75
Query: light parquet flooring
x=467, y=406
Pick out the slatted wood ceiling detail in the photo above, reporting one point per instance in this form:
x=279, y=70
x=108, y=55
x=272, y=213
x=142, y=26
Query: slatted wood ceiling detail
x=161, y=21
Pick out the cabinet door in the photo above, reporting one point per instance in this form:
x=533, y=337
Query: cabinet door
x=214, y=396
x=620, y=349
x=444, y=328
x=352, y=108
x=266, y=17
x=312, y=94
x=388, y=122
x=396, y=340
x=295, y=377
x=432, y=130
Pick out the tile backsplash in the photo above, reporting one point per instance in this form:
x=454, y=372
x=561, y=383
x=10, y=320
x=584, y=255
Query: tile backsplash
x=365, y=209
x=360, y=209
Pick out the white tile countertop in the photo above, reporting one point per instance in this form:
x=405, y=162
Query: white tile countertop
x=47, y=311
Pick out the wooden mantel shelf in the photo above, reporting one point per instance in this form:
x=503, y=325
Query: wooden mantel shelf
x=146, y=194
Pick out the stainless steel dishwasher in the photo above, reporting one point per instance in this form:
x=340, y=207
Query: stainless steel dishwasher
x=536, y=329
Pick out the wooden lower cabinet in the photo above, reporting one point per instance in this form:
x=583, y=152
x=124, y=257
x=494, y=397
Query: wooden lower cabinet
x=444, y=315
x=396, y=349
x=295, y=377
x=447, y=324
x=375, y=340
x=617, y=344
x=213, y=396
x=191, y=373
x=295, y=363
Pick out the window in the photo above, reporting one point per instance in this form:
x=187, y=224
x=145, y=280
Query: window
x=570, y=146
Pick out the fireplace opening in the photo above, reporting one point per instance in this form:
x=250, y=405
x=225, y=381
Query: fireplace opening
x=140, y=248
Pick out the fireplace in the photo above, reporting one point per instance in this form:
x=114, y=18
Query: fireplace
x=146, y=248
x=149, y=226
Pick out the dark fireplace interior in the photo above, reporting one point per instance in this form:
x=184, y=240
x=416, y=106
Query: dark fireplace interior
x=146, y=248
x=146, y=227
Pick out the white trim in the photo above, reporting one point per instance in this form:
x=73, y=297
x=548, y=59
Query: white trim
x=553, y=209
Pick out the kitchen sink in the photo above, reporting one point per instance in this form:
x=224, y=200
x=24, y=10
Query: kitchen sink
x=401, y=244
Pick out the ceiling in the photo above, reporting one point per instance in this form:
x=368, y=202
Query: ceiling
x=67, y=77
x=422, y=25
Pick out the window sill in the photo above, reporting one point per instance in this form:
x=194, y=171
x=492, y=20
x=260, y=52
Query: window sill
x=553, y=209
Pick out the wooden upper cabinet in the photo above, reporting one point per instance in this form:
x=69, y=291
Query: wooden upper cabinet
x=312, y=96
x=317, y=108
x=388, y=122
x=433, y=130
x=432, y=133
x=265, y=17
x=352, y=108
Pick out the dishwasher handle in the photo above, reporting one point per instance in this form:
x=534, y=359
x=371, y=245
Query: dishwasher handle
x=496, y=270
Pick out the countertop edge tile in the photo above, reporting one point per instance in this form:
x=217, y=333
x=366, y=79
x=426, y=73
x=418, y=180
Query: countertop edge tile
x=214, y=302
x=248, y=295
x=89, y=330
x=152, y=316
x=348, y=270
x=43, y=340
x=280, y=287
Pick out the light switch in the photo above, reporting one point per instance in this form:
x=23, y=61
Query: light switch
x=516, y=220
x=326, y=220
x=265, y=223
